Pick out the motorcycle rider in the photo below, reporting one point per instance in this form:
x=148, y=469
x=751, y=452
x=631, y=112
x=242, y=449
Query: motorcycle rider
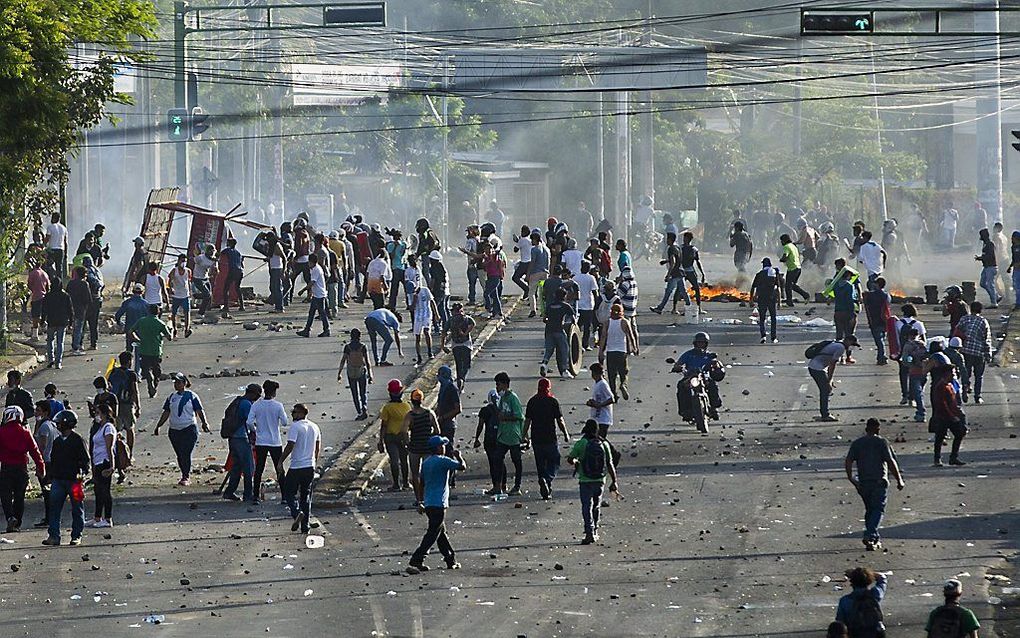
x=700, y=358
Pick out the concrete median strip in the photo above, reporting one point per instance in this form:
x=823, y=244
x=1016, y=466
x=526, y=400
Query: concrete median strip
x=347, y=473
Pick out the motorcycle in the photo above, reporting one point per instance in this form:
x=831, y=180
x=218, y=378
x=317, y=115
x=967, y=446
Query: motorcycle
x=645, y=243
x=693, y=403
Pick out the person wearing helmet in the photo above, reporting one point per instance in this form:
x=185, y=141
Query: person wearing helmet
x=359, y=372
x=953, y=306
x=69, y=463
x=699, y=358
x=393, y=435
x=16, y=445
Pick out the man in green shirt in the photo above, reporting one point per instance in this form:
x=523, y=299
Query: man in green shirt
x=791, y=257
x=593, y=461
x=149, y=332
x=510, y=432
x=951, y=619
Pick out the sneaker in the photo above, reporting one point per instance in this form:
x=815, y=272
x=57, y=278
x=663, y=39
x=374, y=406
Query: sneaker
x=565, y=375
x=543, y=489
x=393, y=488
x=303, y=333
x=904, y=401
x=828, y=418
x=232, y=497
x=184, y=482
x=531, y=314
x=542, y=370
x=452, y=565
x=588, y=539
x=938, y=463
x=657, y=311
x=385, y=364
x=624, y=392
x=764, y=340
x=103, y=523
x=53, y=541
x=299, y=520
x=91, y=523
x=919, y=418
x=75, y=541
x=188, y=333
x=324, y=333
x=421, y=567
x=978, y=400
x=13, y=525
x=775, y=341
x=956, y=462
x=493, y=492
x=515, y=491
x=41, y=525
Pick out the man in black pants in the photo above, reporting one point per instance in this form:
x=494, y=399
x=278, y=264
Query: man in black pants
x=304, y=442
x=688, y=259
x=435, y=475
x=765, y=292
x=791, y=257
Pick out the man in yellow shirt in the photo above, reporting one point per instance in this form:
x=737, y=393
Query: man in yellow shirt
x=393, y=436
x=791, y=257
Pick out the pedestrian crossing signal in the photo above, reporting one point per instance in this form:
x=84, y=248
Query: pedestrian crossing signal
x=836, y=23
x=178, y=125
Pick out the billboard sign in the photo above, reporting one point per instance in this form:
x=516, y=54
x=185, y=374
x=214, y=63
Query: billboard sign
x=343, y=84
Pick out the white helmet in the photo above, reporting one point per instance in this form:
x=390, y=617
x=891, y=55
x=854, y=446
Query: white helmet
x=14, y=413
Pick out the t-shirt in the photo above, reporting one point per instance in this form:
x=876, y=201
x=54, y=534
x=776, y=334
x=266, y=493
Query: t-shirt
x=871, y=452
x=460, y=330
x=524, y=247
x=510, y=432
x=827, y=356
x=988, y=255
x=600, y=393
x=572, y=260
x=578, y=451
x=587, y=287
x=543, y=412
x=45, y=434
x=558, y=315
x=38, y=283
x=318, y=282
x=99, y=452
x=357, y=357
x=845, y=296
x=57, y=233
x=179, y=283
x=968, y=621
x=448, y=399
x=422, y=307
x=676, y=269
x=870, y=256
x=151, y=332
x=202, y=266
x=385, y=316
x=303, y=434
x=539, y=262
x=268, y=416
x=792, y=256
x=435, y=474
x=765, y=285
x=182, y=407
x=392, y=416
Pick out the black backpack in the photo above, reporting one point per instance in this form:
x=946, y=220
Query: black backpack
x=121, y=386
x=593, y=463
x=815, y=349
x=901, y=334
x=865, y=617
x=228, y=426
x=946, y=622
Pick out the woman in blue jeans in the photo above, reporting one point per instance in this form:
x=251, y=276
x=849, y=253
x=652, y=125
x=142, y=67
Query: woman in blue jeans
x=183, y=409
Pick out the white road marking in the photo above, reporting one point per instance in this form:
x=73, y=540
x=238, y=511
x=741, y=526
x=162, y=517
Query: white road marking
x=378, y=618
x=417, y=627
x=363, y=523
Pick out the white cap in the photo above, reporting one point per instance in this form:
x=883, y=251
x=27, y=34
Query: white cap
x=435, y=254
x=955, y=342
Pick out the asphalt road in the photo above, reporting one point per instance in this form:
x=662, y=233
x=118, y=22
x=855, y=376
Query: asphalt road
x=743, y=532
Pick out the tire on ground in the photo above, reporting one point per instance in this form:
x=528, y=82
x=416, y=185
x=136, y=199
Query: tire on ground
x=575, y=350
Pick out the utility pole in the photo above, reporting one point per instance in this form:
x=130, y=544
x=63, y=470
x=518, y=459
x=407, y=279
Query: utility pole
x=647, y=151
x=446, y=153
x=797, y=118
x=180, y=90
x=988, y=129
x=601, y=145
x=878, y=137
x=621, y=216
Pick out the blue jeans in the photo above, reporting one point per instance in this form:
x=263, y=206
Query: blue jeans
x=317, y=306
x=359, y=392
x=821, y=378
x=55, y=344
x=917, y=395
x=874, y=494
x=591, y=503
x=77, y=333
x=276, y=287
x=878, y=334
x=1016, y=286
x=60, y=490
x=556, y=341
x=547, y=460
x=378, y=330
x=443, y=304
x=674, y=285
x=988, y=276
x=244, y=464
x=493, y=291
x=472, y=277
x=183, y=442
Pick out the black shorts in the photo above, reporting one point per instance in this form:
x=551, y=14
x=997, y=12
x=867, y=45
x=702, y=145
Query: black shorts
x=37, y=309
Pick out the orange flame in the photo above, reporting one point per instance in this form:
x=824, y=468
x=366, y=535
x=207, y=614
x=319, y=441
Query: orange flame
x=724, y=292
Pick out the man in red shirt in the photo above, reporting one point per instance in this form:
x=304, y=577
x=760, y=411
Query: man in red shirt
x=947, y=416
x=16, y=444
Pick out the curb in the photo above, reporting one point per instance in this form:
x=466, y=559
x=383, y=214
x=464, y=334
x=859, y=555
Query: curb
x=1010, y=345
x=28, y=365
x=347, y=474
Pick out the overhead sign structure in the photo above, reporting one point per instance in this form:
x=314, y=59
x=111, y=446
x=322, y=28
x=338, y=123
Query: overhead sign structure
x=836, y=22
x=565, y=69
x=355, y=14
x=344, y=84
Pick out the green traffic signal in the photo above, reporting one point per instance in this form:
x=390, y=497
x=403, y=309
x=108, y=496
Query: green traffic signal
x=178, y=121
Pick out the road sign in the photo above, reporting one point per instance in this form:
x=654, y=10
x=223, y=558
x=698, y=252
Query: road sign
x=355, y=14
x=1016, y=145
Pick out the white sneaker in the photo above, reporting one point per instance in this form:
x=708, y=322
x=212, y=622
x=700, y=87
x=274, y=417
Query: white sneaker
x=103, y=523
x=775, y=341
x=566, y=375
x=92, y=523
x=764, y=340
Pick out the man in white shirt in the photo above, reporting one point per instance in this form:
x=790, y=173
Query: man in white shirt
x=56, y=243
x=871, y=256
x=180, y=294
x=379, y=275
x=317, y=285
x=587, y=288
x=201, y=277
x=520, y=276
x=571, y=257
x=268, y=417
x=303, y=444
x=602, y=399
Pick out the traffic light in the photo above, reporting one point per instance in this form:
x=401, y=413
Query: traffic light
x=178, y=127
x=1016, y=145
x=836, y=23
x=198, y=123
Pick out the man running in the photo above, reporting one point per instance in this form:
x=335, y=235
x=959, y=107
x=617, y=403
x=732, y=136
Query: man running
x=150, y=332
x=180, y=294
x=689, y=258
x=977, y=349
x=317, y=306
x=766, y=292
x=875, y=460
x=791, y=257
x=675, y=275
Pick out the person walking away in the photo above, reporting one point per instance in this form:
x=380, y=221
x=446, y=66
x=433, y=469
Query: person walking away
x=448, y=405
x=439, y=284
x=277, y=273
x=394, y=435
x=587, y=289
x=124, y=385
x=69, y=462
x=461, y=326
x=976, y=334
x=1014, y=267
x=946, y=414
x=872, y=257
x=268, y=418
x=421, y=424
x=743, y=247
x=488, y=424
x=572, y=257
x=765, y=294
x=558, y=317
x=383, y=324
x=183, y=409
x=38, y=287
x=59, y=312
x=44, y=435
x=81, y=297
x=16, y=445
x=538, y=269
x=423, y=315
x=616, y=341
x=379, y=276
x=304, y=443
x=791, y=257
x=155, y=287
x=845, y=304
x=592, y=461
x=675, y=275
x=822, y=367
x=628, y=291
x=913, y=354
x=396, y=247
x=952, y=620
x=908, y=319
x=56, y=244
x=131, y=310
x=317, y=306
x=861, y=609
x=359, y=372
x=989, y=269
x=875, y=461
x=94, y=278
x=204, y=274
x=235, y=274
x=541, y=418
x=180, y=294
x=601, y=401
x=102, y=447
x=494, y=266
x=240, y=439
x=436, y=474
x=689, y=259
x=876, y=308
x=510, y=435
x=150, y=333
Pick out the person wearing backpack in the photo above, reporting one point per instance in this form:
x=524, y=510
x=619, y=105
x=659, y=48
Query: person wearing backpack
x=183, y=409
x=951, y=620
x=240, y=436
x=861, y=609
x=593, y=461
x=913, y=354
x=908, y=319
x=124, y=385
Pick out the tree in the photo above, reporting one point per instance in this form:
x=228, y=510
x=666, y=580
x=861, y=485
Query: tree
x=49, y=93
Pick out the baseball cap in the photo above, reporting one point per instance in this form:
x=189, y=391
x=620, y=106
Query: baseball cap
x=952, y=585
x=435, y=254
x=417, y=395
x=955, y=342
x=139, y=288
x=179, y=376
x=394, y=386
x=334, y=235
x=435, y=441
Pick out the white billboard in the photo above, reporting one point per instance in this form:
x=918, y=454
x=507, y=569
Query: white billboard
x=343, y=84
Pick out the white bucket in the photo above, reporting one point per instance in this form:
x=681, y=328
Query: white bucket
x=692, y=315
